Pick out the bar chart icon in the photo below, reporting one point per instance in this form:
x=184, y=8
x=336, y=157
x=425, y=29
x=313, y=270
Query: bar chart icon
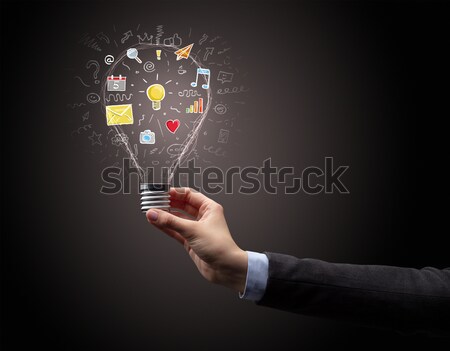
x=197, y=107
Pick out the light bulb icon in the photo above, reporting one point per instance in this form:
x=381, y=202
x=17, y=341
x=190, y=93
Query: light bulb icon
x=156, y=94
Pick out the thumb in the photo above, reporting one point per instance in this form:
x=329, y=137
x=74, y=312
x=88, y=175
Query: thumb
x=165, y=220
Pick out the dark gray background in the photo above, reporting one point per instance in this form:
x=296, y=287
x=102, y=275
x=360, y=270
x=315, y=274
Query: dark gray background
x=364, y=83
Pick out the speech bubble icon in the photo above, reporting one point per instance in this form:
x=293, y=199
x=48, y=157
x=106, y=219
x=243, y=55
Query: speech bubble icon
x=174, y=149
x=225, y=77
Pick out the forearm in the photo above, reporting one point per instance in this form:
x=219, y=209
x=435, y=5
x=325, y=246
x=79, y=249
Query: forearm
x=399, y=298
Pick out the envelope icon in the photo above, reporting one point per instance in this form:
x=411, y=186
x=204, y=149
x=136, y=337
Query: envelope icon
x=119, y=114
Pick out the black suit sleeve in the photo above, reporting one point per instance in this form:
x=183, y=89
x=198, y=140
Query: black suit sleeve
x=403, y=299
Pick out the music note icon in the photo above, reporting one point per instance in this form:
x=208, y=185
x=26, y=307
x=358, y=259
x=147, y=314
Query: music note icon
x=205, y=72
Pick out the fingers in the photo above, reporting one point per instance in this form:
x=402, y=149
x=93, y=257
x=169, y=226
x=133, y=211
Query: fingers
x=173, y=234
x=167, y=221
x=187, y=195
x=184, y=206
x=181, y=214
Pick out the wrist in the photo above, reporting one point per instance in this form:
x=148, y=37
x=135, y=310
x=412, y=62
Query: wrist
x=234, y=275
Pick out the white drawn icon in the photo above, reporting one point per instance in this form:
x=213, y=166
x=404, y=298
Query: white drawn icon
x=117, y=83
x=133, y=54
x=147, y=137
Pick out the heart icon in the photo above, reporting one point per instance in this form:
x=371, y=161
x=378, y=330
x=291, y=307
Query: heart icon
x=172, y=125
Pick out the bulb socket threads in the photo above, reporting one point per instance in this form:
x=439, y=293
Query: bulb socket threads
x=154, y=195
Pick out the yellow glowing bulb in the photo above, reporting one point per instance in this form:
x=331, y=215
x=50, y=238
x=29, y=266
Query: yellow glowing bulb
x=156, y=93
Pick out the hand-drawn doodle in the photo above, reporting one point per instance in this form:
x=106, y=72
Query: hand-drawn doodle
x=205, y=73
x=183, y=53
x=81, y=80
x=117, y=83
x=119, y=139
x=93, y=98
x=220, y=109
x=103, y=36
x=218, y=151
x=209, y=51
x=223, y=51
x=149, y=67
x=126, y=36
x=143, y=116
x=90, y=42
x=109, y=59
x=175, y=40
x=145, y=38
x=223, y=136
x=214, y=39
x=203, y=39
x=95, y=138
x=81, y=129
x=94, y=63
x=119, y=97
x=234, y=90
x=159, y=33
x=76, y=105
x=188, y=93
x=132, y=54
x=225, y=77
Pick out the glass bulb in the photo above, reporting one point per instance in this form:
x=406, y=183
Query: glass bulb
x=156, y=93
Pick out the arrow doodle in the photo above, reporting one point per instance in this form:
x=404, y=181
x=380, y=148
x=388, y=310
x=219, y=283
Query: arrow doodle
x=209, y=51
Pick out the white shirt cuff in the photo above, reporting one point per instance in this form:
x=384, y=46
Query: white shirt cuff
x=257, y=274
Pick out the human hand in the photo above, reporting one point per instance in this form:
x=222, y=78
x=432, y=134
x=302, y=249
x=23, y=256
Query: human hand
x=206, y=237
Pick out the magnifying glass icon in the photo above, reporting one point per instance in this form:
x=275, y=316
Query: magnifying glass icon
x=133, y=54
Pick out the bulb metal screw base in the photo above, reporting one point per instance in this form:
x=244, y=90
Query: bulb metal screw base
x=154, y=195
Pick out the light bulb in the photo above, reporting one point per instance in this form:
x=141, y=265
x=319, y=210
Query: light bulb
x=156, y=93
x=154, y=138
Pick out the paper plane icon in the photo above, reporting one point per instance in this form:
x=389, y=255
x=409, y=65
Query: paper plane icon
x=183, y=52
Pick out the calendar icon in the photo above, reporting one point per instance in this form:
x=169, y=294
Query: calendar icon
x=117, y=83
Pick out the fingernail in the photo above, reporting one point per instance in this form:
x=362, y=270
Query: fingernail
x=152, y=215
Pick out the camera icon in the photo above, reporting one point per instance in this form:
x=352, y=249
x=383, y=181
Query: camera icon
x=147, y=137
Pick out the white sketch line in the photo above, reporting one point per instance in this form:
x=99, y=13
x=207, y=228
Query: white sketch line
x=160, y=128
x=75, y=105
x=119, y=97
x=202, y=40
x=174, y=109
x=123, y=64
x=81, y=80
x=189, y=93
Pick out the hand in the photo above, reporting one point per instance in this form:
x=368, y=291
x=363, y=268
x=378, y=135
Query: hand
x=206, y=237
